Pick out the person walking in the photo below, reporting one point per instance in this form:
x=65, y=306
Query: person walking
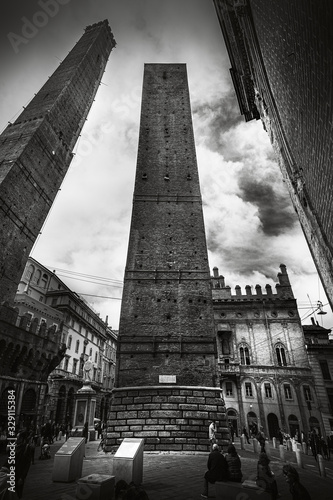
x=261, y=439
x=297, y=490
x=246, y=435
x=265, y=477
x=234, y=465
x=232, y=432
x=217, y=469
x=85, y=431
x=212, y=434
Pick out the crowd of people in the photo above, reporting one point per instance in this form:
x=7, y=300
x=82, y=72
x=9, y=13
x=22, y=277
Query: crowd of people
x=228, y=467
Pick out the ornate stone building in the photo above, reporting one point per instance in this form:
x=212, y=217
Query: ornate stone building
x=264, y=368
x=43, y=298
x=29, y=352
x=319, y=347
x=36, y=150
x=281, y=67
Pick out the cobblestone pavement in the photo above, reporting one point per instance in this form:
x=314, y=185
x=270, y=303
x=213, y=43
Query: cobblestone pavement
x=172, y=475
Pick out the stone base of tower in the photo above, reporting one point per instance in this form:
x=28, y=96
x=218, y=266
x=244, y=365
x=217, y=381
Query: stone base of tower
x=169, y=418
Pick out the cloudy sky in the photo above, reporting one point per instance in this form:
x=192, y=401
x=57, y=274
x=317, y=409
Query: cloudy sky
x=251, y=226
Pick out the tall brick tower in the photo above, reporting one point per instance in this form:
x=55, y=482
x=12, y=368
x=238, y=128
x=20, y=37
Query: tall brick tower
x=36, y=150
x=167, y=387
x=281, y=67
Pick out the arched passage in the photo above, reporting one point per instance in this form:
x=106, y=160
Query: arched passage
x=273, y=425
x=29, y=408
x=61, y=404
x=70, y=405
x=252, y=423
x=232, y=417
x=293, y=425
x=314, y=424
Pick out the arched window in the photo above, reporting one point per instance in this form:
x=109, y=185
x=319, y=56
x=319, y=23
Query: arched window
x=45, y=279
x=37, y=276
x=30, y=272
x=281, y=355
x=244, y=355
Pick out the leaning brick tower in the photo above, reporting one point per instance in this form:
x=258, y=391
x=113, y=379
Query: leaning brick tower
x=166, y=385
x=36, y=150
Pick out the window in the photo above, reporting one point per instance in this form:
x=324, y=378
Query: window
x=281, y=355
x=44, y=280
x=90, y=352
x=325, y=370
x=77, y=346
x=69, y=345
x=30, y=272
x=74, y=366
x=287, y=391
x=228, y=388
x=66, y=364
x=37, y=276
x=248, y=389
x=96, y=354
x=307, y=393
x=244, y=356
x=225, y=346
x=268, y=390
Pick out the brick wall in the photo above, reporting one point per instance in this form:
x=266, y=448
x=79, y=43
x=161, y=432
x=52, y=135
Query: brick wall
x=36, y=150
x=166, y=318
x=168, y=418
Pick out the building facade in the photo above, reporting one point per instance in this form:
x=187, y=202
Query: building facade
x=319, y=346
x=264, y=368
x=36, y=150
x=29, y=352
x=281, y=66
x=43, y=298
x=166, y=384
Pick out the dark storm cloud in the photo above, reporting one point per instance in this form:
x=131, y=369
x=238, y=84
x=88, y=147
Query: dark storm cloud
x=245, y=259
x=274, y=207
x=219, y=115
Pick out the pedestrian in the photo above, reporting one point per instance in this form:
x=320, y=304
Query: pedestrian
x=246, y=435
x=85, y=431
x=234, y=464
x=232, y=432
x=265, y=477
x=324, y=448
x=297, y=490
x=32, y=445
x=261, y=439
x=67, y=431
x=217, y=469
x=280, y=436
x=22, y=462
x=212, y=434
x=314, y=444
